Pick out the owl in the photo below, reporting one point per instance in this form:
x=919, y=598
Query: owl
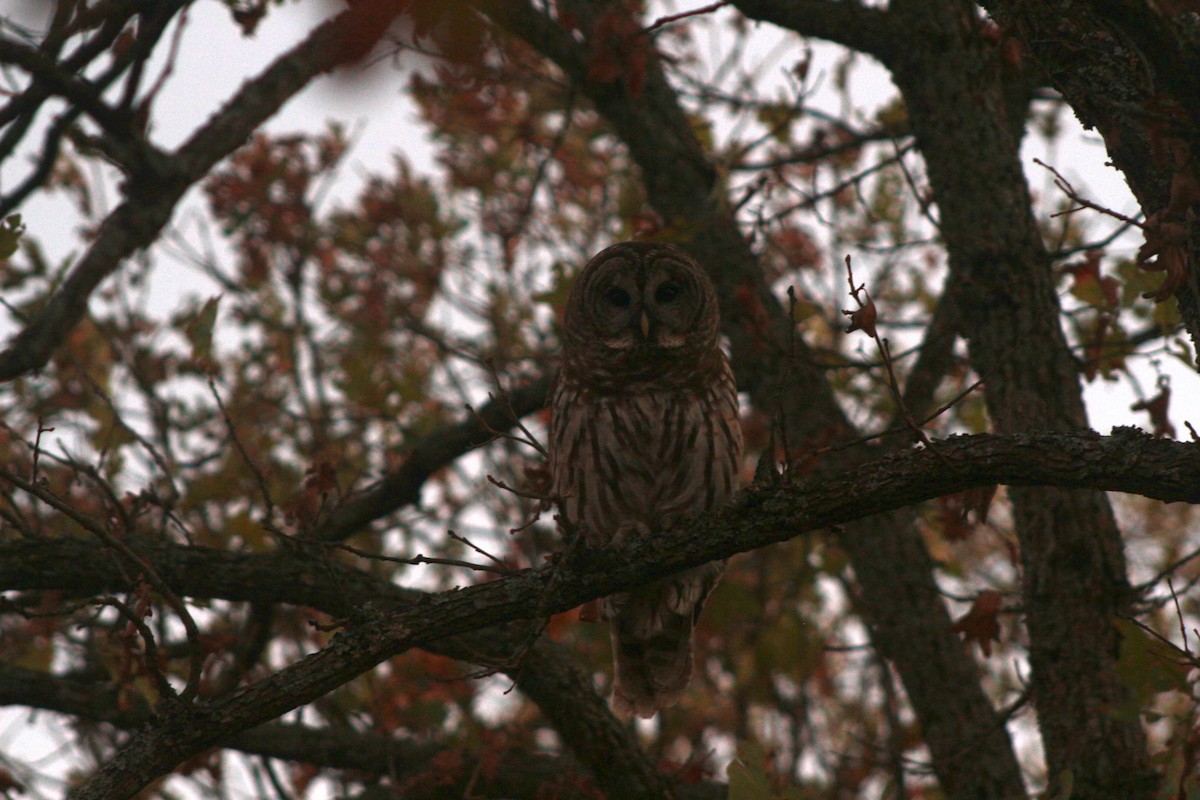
x=644, y=437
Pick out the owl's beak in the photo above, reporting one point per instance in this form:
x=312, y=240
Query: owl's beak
x=644, y=322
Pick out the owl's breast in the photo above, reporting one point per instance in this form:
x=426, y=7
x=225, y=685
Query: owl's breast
x=643, y=461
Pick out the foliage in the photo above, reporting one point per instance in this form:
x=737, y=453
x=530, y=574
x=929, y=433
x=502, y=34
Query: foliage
x=299, y=416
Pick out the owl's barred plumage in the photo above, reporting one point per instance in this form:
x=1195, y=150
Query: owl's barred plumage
x=645, y=436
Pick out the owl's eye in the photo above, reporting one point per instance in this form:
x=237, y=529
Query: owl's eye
x=666, y=293
x=618, y=297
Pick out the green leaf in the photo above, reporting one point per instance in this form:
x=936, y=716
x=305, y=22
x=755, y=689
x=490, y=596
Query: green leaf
x=1147, y=666
x=747, y=776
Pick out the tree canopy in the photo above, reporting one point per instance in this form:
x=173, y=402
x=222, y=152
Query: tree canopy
x=273, y=512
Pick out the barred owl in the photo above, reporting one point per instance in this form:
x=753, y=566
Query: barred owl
x=645, y=436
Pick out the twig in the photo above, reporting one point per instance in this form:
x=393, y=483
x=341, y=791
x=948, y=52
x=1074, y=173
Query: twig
x=148, y=572
x=1069, y=190
x=511, y=232
x=37, y=449
x=787, y=373
x=418, y=559
x=258, y=476
x=870, y=437
x=504, y=398
x=1188, y=659
x=864, y=320
x=545, y=498
x=695, y=12
x=456, y=537
x=1179, y=615
x=9, y=606
x=150, y=657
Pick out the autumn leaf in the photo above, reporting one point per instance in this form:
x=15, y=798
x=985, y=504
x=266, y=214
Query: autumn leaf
x=862, y=318
x=798, y=249
x=978, y=500
x=199, y=330
x=753, y=313
x=1157, y=407
x=1147, y=666
x=980, y=624
x=955, y=512
x=1166, y=243
x=10, y=234
x=1104, y=344
x=1089, y=286
x=620, y=50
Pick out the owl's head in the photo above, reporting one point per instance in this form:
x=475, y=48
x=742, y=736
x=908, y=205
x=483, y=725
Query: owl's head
x=639, y=305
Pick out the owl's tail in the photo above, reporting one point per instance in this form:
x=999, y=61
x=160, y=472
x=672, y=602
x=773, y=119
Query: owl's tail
x=652, y=639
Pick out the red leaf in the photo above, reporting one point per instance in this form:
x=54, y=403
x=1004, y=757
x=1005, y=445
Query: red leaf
x=980, y=624
x=620, y=50
x=1157, y=407
x=1090, y=286
x=862, y=319
x=1166, y=242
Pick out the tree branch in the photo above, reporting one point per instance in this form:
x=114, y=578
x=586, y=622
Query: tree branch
x=152, y=193
x=866, y=29
x=1131, y=462
x=1130, y=71
x=365, y=753
x=430, y=453
x=300, y=576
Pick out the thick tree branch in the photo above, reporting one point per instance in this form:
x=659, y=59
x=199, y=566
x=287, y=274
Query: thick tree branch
x=365, y=753
x=302, y=576
x=866, y=29
x=1131, y=462
x=430, y=453
x=1073, y=574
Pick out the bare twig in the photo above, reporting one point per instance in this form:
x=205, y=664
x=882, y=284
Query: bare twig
x=544, y=498
x=150, y=657
x=419, y=559
x=529, y=438
x=1179, y=615
x=1069, y=190
x=456, y=537
x=37, y=448
x=864, y=319
x=263, y=489
x=695, y=12
x=870, y=437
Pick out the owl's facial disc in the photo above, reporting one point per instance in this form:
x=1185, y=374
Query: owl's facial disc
x=635, y=306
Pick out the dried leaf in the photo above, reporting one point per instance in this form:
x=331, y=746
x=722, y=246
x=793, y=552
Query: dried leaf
x=1088, y=284
x=199, y=330
x=1157, y=407
x=862, y=319
x=1166, y=242
x=981, y=624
